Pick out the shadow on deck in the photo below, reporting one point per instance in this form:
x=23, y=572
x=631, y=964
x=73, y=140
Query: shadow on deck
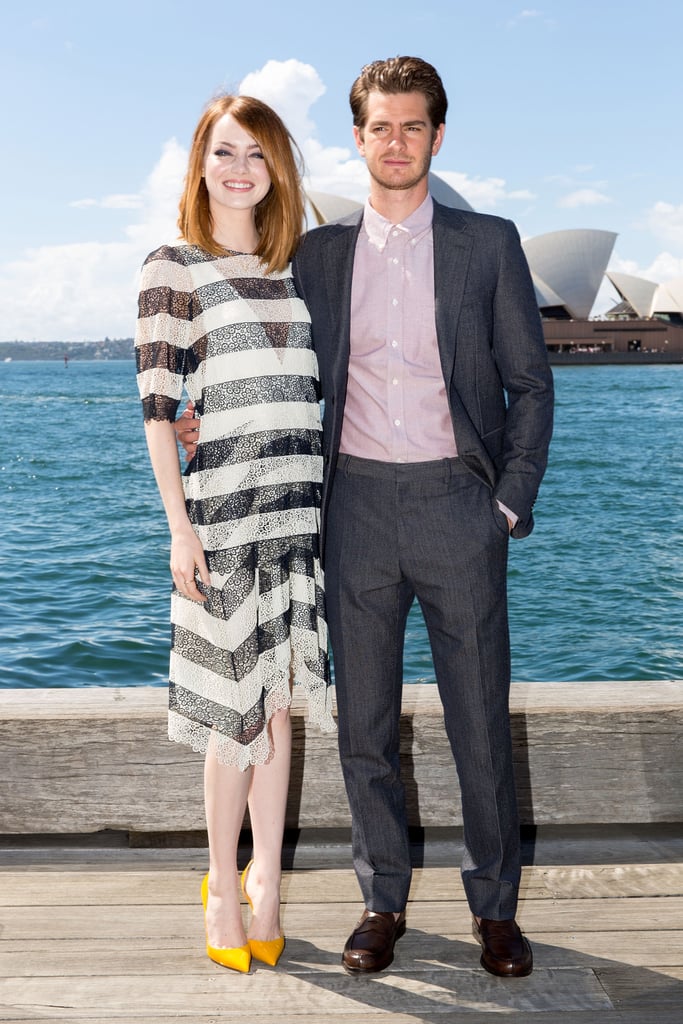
x=95, y=930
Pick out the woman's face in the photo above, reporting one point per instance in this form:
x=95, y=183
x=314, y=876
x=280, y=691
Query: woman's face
x=234, y=168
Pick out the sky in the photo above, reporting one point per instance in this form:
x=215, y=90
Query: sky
x=566, y=115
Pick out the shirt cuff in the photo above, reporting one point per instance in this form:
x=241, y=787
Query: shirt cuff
x=514, y=519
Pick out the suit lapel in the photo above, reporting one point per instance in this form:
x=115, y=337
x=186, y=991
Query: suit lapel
x=452, y=257
x=337, y=267
x=452, y=253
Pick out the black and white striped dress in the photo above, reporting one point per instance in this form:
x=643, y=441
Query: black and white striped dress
x=239, y=342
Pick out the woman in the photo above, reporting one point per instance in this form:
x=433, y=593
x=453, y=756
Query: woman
x=218, y=314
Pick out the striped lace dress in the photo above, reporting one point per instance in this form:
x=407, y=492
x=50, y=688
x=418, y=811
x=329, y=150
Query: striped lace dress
x=238, y=342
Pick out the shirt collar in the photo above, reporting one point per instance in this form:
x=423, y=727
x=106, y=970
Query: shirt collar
x=377, y=227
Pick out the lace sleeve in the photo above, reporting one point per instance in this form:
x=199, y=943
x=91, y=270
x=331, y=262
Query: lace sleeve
x=162, y=336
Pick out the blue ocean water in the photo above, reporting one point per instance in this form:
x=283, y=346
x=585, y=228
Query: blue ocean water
x=596, y=592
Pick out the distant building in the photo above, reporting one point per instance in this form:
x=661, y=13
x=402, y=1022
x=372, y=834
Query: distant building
x=618, y=339
x=645, y=298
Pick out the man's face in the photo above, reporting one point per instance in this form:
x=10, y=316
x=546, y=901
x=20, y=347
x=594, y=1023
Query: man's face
x=398, y=141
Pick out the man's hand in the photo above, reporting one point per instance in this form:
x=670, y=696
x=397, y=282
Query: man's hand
x=187, y=431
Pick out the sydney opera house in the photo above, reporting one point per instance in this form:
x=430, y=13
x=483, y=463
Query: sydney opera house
x=568, y=269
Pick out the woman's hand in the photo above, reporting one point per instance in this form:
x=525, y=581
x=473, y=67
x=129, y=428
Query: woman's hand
x=187, y=554
x=187, y=558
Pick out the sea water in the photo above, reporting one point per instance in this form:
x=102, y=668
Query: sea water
x=596, y=591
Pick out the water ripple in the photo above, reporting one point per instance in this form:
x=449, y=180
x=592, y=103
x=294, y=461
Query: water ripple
x=595, y=592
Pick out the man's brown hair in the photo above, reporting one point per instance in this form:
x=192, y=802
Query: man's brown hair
x=396, y=75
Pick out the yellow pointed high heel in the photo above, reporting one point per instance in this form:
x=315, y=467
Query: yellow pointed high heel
x=267, y=951
x=237, y=958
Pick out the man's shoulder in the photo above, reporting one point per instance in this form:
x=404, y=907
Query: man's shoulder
x=316, y=238
x=333, y=228
x=480, y=224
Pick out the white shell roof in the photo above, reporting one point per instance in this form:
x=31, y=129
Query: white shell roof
x=545, y=296
x=327, y=207
x=669, y=297
x=637, y=291
x=571, y=264
x=446, y=195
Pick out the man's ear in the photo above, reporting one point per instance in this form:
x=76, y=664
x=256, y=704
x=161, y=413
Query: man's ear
x=438, y=139
x=358, y=139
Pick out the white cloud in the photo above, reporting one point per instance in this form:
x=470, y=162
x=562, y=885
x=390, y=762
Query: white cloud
x=333, y=169
x=289, y=87
x=528, y=15
x=114, y=202
x=72, y=292
x=583, y=197
x=160, y=195
x=88, y=290
x=483, y=193
x=665, y=221
x=665, y=267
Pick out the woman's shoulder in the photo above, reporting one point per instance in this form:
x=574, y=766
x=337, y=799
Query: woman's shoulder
x=178, y=252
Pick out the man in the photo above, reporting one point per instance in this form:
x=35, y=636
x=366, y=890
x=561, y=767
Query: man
x=437, y=420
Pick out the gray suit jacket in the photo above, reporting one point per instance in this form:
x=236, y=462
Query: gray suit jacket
x=493, y=354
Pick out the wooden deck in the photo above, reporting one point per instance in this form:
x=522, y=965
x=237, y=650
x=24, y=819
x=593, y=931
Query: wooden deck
x=92, y=930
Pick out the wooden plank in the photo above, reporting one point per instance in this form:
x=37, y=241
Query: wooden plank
x=605, y=880
x=163, y=885
x=95, y=885
x=421, y=952
x=445, y=1013
x=369, y=1016
x=127, y=946
x=159, y=883
x=624, y=986
x=321, y=992
x=87, y=759
x=555, y=926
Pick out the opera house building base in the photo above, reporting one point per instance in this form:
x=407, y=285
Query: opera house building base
x=630, y=341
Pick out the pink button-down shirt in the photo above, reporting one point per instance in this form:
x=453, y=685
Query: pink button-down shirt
x=396, y=406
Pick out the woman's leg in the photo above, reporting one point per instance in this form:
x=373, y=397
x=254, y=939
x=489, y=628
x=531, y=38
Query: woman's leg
x=225, y=799
x=267, y=805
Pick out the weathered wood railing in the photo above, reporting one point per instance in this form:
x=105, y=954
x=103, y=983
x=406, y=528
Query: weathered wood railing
x=83, y=760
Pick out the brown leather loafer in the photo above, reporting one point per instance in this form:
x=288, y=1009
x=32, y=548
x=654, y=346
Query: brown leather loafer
x=505, y=950
x=370, y=947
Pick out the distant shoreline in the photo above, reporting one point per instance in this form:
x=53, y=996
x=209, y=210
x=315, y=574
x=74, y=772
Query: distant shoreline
x=123, y=348
x=33, y=351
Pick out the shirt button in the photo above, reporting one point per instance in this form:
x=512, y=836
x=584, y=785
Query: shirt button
x=397, y=423
x=394, y=344
x=395, y=380
x=394, y=302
